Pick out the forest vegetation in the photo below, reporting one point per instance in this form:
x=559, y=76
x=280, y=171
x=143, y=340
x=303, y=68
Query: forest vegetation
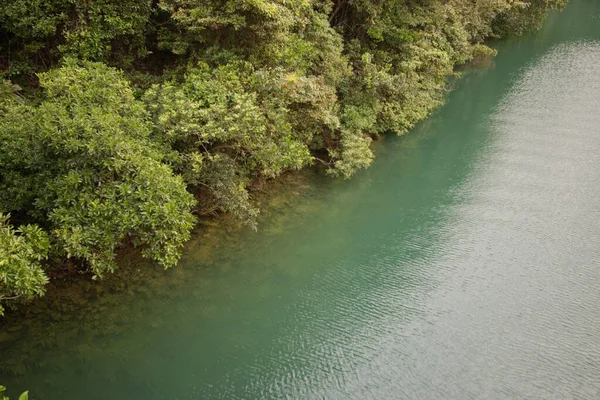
x=122, y=122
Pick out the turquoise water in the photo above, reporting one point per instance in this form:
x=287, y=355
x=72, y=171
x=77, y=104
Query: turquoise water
x=465, y=263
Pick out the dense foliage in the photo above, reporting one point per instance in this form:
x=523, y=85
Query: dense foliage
x=21, y=252
x=130, y=115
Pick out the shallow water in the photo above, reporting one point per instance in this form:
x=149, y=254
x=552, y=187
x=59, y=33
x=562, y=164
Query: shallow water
x=464, y=264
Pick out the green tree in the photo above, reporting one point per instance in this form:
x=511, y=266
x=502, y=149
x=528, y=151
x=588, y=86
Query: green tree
x=81, y=163
x=525, y=15
x=36, y=33
x=225, y=133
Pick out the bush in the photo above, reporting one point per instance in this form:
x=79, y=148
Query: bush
x=81, y=163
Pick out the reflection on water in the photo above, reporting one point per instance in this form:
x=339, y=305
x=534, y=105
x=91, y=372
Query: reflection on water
x=463, y=264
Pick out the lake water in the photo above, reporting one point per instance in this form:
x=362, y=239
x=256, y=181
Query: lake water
x=464, y=264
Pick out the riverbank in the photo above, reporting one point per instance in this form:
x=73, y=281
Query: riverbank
x=122, y=131
x=282, y=200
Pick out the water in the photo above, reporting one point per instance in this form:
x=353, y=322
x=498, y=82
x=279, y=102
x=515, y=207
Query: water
x=465, y=264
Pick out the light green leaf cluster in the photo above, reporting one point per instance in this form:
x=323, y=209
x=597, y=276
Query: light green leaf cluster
x=231, y=124
x=21, y=253
x=81, y=162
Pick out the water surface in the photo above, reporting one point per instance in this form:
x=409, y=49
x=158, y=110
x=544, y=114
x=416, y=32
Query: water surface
x=465, y=264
